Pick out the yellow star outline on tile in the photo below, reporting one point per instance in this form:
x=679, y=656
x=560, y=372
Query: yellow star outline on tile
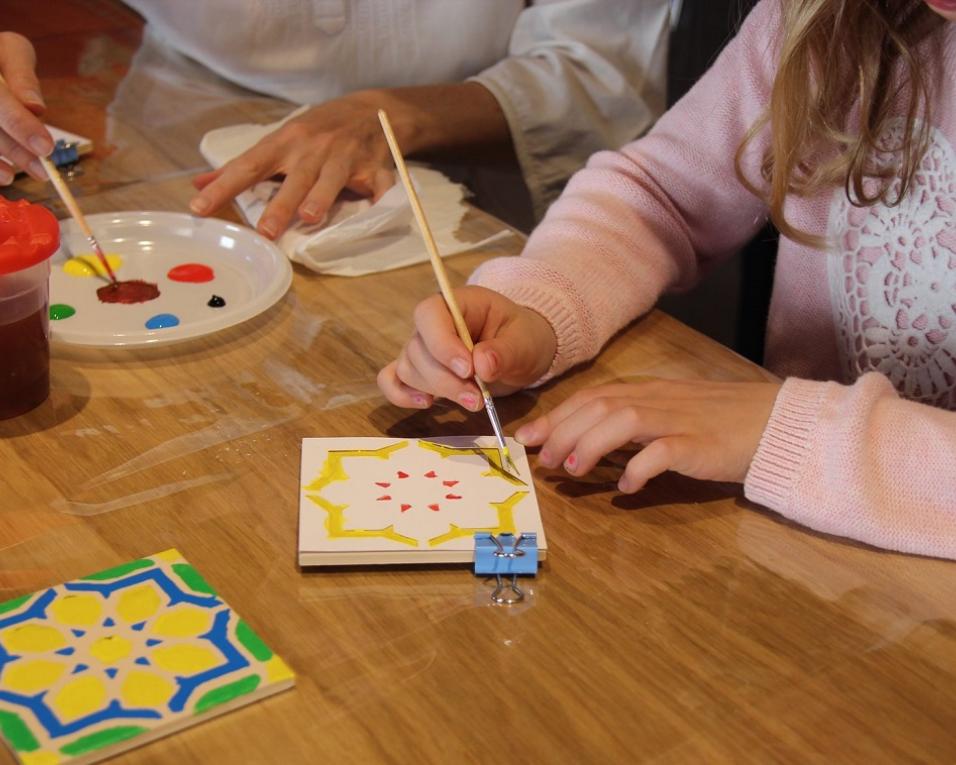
x=333, y=470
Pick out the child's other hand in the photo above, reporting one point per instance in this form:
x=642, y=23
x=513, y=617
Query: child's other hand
x=514, y=346
x=702, y=429
x=23, y=138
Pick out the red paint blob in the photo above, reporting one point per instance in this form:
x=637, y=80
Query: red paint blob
x=449, y=484
x=452, y=496
x=433, y=507
x=195, y=273
x=405, y=507
x=402, y=475
x=431, y=474
x=132, y=291
x=384, y=497
x=383, y=484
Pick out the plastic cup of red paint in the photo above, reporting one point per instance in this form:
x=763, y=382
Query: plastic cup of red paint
x=29, y=235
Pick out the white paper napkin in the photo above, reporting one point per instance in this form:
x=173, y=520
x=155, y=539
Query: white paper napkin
x=357, y=237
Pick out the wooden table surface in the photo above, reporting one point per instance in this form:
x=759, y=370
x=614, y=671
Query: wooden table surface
x=679, y=625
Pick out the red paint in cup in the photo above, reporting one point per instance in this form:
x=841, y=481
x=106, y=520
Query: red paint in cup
x=29, y=235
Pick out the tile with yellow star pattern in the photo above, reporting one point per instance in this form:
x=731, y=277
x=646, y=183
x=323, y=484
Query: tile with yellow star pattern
x=409, y=500
x=102, y=664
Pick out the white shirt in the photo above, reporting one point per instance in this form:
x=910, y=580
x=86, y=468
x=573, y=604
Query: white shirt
x=572, y=76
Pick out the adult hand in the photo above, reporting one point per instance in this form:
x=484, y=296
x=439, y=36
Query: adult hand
x=702, y=429
x=23, y=138
x=514, y=346
x=334, y=146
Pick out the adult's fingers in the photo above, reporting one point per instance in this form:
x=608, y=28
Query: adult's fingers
x=20, y=95
x=233, y=178
x=332, y=178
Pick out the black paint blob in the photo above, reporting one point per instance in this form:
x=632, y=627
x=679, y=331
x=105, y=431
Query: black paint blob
x=216, y=302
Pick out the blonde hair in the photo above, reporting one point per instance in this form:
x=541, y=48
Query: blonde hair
x=834, y=55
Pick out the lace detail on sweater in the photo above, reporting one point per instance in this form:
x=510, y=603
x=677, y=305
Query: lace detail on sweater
x=893, y=280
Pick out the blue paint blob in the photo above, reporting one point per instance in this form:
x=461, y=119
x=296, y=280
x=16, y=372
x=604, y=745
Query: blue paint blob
x=68, y=651
x=78, y=633
x=142, y=660
x=139, y=626
x=162, y=321
x=79, y=668
x=109, y=622
x=111, y=671
x=152, y=641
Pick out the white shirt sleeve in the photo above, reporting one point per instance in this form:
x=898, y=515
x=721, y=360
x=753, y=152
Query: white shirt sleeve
x=581, y=76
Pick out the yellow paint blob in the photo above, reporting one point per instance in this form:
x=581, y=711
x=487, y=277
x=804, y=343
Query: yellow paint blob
x=277, y=670
x=32, y=638
x=183, y=621
x=145, y=689
x=184, y=659
x=39, y=758
x=170, y=556
x=32, y=675
x=138, y=603
x=77, y=610
x=89, y=265
x=79, y=697
x=111, y=649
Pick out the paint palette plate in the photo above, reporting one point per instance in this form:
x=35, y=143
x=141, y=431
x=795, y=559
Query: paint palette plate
x=189, y=259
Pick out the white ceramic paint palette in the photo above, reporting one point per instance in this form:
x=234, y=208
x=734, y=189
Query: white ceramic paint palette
x=211, y=274
x=376, y=501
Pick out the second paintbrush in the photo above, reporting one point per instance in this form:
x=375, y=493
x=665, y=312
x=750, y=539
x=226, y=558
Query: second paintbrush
x=444, y=284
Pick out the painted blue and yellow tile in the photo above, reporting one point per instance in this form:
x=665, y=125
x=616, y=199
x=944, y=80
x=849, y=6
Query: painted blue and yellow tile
x=136, y=651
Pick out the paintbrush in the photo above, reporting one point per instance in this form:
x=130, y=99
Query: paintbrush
x=439, y=268
x=67, y=196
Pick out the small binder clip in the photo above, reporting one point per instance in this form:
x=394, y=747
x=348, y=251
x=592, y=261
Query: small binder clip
x=64, y=154
x=506, y=555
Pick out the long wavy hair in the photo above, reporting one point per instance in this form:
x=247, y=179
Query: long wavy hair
x=837, y=57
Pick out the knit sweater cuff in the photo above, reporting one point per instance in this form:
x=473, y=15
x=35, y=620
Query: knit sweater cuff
x=785, y=444
x=549, y=300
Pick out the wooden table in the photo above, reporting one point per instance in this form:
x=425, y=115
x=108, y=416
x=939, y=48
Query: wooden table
x=678, y=625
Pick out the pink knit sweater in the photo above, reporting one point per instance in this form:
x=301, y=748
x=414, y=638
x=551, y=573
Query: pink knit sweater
x=859, y=443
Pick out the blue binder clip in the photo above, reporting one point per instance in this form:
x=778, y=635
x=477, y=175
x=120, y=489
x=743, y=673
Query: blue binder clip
x=64, y=154
x=506, y=555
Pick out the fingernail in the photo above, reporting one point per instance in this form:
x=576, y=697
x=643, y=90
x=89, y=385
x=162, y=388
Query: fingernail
x=571, y=463
x=544, y=457
x=420, y=401
x=199, y=205
x=32, y=97
x=311, y=211
x=524, y=434
x=40, y=145
x=460, y=367
x=6, y=177
x=268, y=227
x=625, y=485
x=468, y=400
x=493, y=361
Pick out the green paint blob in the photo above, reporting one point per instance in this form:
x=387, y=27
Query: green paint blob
x=101, y=739
x=227, y=693
x=193, y=578
x=252, y=642
x=117, y=571
x=9, y=605
x=60, y=311
x=16, y=732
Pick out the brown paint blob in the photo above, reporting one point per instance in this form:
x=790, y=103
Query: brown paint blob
x=132, y=291
x=191, y=272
